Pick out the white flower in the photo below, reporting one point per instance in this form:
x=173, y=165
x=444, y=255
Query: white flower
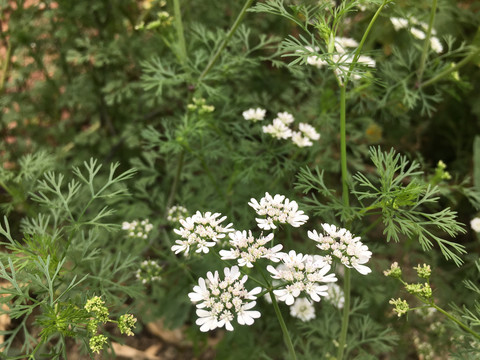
x=335, y=295
x=341, y=244
x=303, y=309
x=300, y=140
x=419, y=34
x=278, y=129
x=342, y=43
x=200, y=231
x=277, y=209
x=254, y=115
x=436, y=44
x=314, y=60
x=138, y=228
x=399, y=23
x=309, y=131
x=218, y=301
x=301, y=274
x=176, y=213
x=475, y=224
x=247, y=249
x=285, y=117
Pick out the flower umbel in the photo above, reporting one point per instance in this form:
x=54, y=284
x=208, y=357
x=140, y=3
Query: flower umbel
x=96, y=306
x=137, y=228
x=278, y=129
x=301, y=273
x=343, y=245
x=149, y=272
x=303, y=309
x=277, y=210
x=401, y=306
x=254, y=115
x=126, y=323
x=176, y=213
x=247, y=249
x=200, y=231
x=219, y=301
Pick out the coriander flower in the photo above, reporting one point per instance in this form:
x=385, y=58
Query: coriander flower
x=149, y=272
x=436, y=44
x=176, y=213
x=313, y=60
x=254, y=115
x=399, y=23
x=335, y=295
x=126, y=323
x=342, y=43
x=341, y=244
x=309, y=131
x=419, y=34
x=97, y=343
x=303, y=309
x=285, y=117
x=300, y=140
x=201, y=232
x=137, y=228
x=278, y=129
x=247, y=249
x=277, y=210
x=475, y=224
x=219, y=301
x=301, y=274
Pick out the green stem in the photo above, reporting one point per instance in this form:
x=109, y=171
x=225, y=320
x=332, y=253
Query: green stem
x=426, y=44
x=235, y=25
x=364, y=38
x=346, y=314
x=286, y=335
x=452, y=69
x=343, y=145
x=173, y=190
x=182, y=49
x=455, y=320
x=5, y=66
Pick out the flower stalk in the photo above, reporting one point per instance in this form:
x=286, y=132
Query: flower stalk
x=426, y=44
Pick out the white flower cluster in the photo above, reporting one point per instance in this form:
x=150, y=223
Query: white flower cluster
x=342, y=59
x=402, y=23
x=301, y=273
x=219, y=301
x=137, y=229
x=475, y=224
x=149, y=271
x=176, y=213
x=200, y=231
x=343, y=245
x=303, y=309
x=277, y=210
x=280, y=127
x=254, y=115
x=247, y=249
x=335, y=295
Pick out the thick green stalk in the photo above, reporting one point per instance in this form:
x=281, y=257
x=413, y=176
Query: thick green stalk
x=455, y=320
x=182, y=48
x=364, y=38
x=450, y=70
x=426, y=44
x=286, y=335
x=343, y=145
x=235, y=25
x=346, y=315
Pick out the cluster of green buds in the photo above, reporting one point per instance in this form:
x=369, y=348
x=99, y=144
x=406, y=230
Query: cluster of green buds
x=440, y=174
x=99, y=313
x=149, y=272
x=422, y=291
x=163, y=20
x=200, y=105
x=177, y=213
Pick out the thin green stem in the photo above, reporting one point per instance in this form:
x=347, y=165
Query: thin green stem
x=364, y=38
x=452, y=69
x=346, y=314
x=173, y=190
x=343, y=146
x=182, y=49
x=286, y=335
x=234, y=27
x=455, y=320
x=426, y=44
x=5, y=66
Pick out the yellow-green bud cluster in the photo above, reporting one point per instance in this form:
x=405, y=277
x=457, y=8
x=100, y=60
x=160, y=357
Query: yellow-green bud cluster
x=422, y=290
x=96, y=306
x=395, y=271
x=423, y=271
x=126, y=323
x=97, y=343
x=200, y=105
x=401, y=306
